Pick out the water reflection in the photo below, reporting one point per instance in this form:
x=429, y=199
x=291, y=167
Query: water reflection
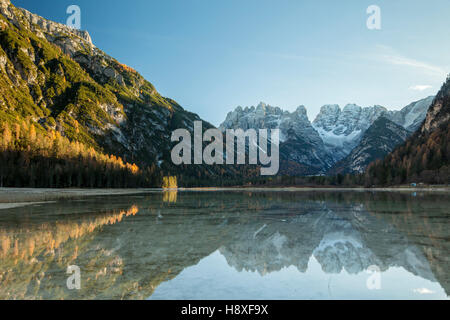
x=33, y=250
x=229, y=245
x=29, y=242
x=170, y=196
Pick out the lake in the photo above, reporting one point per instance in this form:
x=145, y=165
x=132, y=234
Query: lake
x=229, y=245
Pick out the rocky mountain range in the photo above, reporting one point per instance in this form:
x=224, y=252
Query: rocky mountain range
x=300, y=143
x=315, y=147
x=341, y=130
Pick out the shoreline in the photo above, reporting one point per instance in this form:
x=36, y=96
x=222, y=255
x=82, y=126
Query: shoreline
x=333, y=189
x=16, y=197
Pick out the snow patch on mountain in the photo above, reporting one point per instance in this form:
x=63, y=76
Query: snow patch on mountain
x=412, y=116
x=336, y=140
x=342, y=130
x=380, y=139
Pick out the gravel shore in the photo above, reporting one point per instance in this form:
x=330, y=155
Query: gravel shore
x=15, y=197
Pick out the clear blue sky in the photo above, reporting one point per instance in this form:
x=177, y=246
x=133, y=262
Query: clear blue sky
x=213, y=55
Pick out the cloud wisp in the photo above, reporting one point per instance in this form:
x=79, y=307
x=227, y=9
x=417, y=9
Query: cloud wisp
x=423, y=291
x=390, y=56
x=420, y=87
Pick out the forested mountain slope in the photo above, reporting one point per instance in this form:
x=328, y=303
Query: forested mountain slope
x=54, y=78
x=425, y=157
x=380, y=139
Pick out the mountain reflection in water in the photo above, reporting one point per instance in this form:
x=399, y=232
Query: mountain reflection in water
x=229, y=245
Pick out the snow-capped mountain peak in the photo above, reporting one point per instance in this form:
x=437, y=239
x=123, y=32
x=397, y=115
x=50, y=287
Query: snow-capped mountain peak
x=341, y=130
x=301, y=112
x=331, y=137
x=300, y=142
x=265, y=116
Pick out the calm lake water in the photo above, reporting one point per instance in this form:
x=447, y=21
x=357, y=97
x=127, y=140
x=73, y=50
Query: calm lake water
x=230, y=245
